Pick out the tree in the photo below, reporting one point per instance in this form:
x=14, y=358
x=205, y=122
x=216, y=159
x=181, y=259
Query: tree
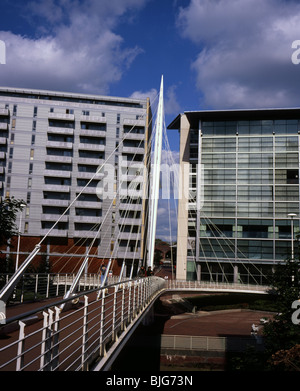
x=9, y=208
x=288, y=360
x=281, y=334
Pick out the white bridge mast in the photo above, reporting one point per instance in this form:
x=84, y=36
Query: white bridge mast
x=156, y=174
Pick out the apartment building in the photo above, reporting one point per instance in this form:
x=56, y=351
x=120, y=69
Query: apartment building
x=59, y=147
x=240, y=215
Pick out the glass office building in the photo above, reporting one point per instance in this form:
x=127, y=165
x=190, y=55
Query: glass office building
x=238, y=219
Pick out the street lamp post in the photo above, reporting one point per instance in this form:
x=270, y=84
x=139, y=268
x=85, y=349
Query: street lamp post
x=19, y=237
x=292, y=215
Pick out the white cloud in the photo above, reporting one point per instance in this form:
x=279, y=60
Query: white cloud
x=171, y=105
x=245, y=51
x=75, y=48
x=152, y=94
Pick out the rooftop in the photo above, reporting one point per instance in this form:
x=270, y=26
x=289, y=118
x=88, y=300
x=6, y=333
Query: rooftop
x=236, y=115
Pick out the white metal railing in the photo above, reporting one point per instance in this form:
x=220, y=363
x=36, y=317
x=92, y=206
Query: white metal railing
x=203, y=343
x=37, y=286
x=73, y=334
x=216, y=286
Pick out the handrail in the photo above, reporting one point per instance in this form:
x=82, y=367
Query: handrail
x=82, y=331
x=77, y=337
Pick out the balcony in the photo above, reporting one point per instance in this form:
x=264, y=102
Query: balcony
x=86, y=190
x=54, y=217
x=129, y=221
x=62, y=233
x=3, y=126
x=62, y=116
x=88, y=219
x=93, y=118
x=2, y=155
x=89, y=175
x=88, y=204
x=56, y=130
x=133, y=136
x=92, y=133
x=57, y=173
x=3, y=140
x=91, y=147
x=59, y=144
x=131, y=207
x=58, y=159
x=58, y=203
x=4, y=112
x=2, y=170
x=134, y=122
x=133, y=150
x=90, y=161
x=57, y=188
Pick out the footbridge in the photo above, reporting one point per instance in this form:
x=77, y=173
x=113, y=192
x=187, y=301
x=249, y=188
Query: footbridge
x=87, y=331
x=81, y=322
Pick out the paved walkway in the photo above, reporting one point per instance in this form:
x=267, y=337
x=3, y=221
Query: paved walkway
x=221, y=324
x=234, y=322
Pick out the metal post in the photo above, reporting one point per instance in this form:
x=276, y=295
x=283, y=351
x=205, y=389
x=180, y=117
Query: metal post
x=19, y=237
x=84, y=335
x=20, y=359
x=102, y=320
x=8, y=289
x=114, y=332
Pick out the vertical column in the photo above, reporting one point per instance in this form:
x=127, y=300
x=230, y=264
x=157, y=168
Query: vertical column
x=235, y=275
x=200, y=197
x=182, y=232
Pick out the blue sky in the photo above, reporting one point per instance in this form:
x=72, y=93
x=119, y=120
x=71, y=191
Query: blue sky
x=214, y=54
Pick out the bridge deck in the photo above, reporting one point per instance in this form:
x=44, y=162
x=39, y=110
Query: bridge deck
x=73, y=339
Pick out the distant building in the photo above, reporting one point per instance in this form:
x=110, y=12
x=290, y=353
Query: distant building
x=243, y=182
x=51, y=146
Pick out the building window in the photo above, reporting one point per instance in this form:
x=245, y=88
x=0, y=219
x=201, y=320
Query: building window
x=292, y=176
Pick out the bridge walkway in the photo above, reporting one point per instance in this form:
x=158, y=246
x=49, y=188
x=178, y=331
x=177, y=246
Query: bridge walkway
x=87, y=331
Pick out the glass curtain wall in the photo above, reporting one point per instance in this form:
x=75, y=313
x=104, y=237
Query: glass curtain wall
x=251, y=184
